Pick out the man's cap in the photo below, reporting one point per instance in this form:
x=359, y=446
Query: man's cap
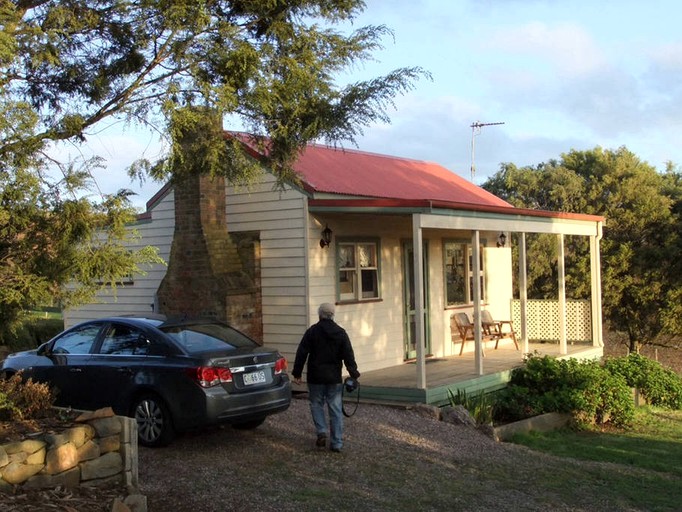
x=326, y=310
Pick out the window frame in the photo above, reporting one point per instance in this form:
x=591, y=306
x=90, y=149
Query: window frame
x=76, y=338
x=467, y=278
x=356, y=295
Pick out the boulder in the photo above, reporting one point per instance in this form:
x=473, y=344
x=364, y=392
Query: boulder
x=458, y=415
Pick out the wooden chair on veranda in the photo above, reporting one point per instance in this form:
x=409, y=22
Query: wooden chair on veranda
x=462, y=330
x=498, y=328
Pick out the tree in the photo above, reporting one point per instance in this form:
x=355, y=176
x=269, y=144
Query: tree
x=69, y=65
x=641, y=278
x=270, y=63
x=47, y=241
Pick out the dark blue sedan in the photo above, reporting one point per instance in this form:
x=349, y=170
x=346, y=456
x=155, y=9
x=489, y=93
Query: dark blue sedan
x=170, y=376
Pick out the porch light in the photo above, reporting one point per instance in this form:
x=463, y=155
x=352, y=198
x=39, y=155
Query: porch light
x=501, y=240
x=326, y=237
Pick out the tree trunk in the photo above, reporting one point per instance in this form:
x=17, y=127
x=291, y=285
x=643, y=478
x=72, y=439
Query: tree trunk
x=210, y=273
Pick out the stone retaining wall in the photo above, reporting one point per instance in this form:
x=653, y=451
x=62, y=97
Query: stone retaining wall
x=99, y=448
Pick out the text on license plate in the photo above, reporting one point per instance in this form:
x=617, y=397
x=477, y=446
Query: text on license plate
x=254, y=378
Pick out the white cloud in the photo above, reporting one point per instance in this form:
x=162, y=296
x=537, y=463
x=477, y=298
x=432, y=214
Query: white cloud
x=565, y=48
x=667, y=56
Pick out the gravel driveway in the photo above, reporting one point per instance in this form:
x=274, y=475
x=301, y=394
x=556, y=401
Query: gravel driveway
x=393, y=460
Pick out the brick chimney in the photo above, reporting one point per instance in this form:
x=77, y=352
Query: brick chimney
x=211, y=273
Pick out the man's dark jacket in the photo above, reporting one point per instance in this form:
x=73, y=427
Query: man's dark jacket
x=325, y=345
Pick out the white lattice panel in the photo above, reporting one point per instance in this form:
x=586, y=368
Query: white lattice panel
x=543, y=319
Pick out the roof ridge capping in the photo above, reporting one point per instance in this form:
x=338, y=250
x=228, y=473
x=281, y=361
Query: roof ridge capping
x=248, y=138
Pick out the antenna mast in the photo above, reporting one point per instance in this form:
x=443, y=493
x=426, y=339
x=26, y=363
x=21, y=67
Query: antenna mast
x=476, y=130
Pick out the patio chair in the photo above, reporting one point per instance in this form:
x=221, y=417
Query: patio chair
x=499, y=328
x=462, y=330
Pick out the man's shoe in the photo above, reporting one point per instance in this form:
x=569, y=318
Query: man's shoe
x=321, y=441
x=335, y=449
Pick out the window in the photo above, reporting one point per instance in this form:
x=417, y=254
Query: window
x=459, y=273
x=78, y=341
x=204, y=337
x=122, y=340
x=358, y=264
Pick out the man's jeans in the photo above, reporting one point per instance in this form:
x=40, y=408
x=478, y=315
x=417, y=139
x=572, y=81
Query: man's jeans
x=319, y=394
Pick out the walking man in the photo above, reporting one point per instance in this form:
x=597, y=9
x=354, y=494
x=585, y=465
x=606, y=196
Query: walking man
x=325, y=346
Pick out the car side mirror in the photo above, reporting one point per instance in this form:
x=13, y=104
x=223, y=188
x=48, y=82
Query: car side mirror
x=44, y=349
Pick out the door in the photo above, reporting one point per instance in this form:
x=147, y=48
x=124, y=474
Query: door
x=127, y=360
x=64, y=364
x=410, y=329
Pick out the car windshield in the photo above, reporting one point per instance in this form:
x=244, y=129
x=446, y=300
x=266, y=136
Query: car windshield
x=204, y=337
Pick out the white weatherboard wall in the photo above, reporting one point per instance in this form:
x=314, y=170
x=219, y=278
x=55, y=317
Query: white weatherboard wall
x=139, y=296
x=375, y=328
x=498, y=282
x=279, y=217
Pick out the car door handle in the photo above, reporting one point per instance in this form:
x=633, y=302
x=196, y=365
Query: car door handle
x=127, y=371
x=75, y=370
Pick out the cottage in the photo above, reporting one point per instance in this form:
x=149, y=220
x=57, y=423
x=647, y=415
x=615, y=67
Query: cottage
x=352, y=231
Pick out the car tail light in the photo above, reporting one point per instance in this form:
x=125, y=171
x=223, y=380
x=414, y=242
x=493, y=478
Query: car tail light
x=280, y=365
x=209, y=376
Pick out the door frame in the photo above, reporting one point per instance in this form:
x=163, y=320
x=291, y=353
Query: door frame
x=409, y=348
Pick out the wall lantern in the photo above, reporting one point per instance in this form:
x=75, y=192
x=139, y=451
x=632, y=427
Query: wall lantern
x=326, y=237
x=501, y=240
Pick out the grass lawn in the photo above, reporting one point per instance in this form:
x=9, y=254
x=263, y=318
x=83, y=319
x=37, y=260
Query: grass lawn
x=653, y=443
x=47, y=313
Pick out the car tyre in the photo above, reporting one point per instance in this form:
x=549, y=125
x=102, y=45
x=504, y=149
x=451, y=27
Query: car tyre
x=154, y=422
x=249, y=425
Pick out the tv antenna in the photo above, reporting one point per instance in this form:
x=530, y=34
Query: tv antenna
x=476, y=130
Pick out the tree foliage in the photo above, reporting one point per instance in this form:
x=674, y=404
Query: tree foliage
x=69, y=65
x=270, y=63
x=641, y=277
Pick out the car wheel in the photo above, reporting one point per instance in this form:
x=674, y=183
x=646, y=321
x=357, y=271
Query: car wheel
x=154, y=422
x=249, y=425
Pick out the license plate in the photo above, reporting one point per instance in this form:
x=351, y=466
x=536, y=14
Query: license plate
x=254, y=378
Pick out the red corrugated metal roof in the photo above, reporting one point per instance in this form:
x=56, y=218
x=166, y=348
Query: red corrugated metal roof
x=324, y=169
x=349, y=172
x=380, y=181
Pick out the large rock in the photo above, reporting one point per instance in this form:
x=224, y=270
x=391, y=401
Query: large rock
x=107, y=465
x=37, y=457
x=69, y=478
x=61, y=458
x=106, y=412
x=89, y=451
x=458, y=415
x=109, y=444
x=488, y=430
x=106, y=427
x=4, y=458
x=17, y=473
x=77, y=435
x=27, y=446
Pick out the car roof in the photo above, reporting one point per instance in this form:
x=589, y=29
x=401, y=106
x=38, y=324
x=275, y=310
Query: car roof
x=156, y=320
x=146, y=320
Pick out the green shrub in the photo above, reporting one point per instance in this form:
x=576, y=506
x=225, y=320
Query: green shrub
x=480, y=406
x=585, y=389
x=660, y=386
x=31, y=332
x=24, y=400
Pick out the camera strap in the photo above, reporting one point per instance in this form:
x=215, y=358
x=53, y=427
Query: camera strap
x=357, y=400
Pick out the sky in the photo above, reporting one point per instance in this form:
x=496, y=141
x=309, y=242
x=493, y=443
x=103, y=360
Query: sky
x=561, y=75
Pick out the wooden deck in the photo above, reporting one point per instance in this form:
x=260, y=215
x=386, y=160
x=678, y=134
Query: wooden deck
x=398, y=384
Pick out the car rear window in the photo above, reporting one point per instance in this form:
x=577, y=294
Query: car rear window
x=205, y=337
